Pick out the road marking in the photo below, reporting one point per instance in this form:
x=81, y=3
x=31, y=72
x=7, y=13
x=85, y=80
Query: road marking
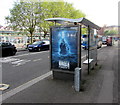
x=30, y=54
x=24, y=86
x=6, y=60
x=37, y=60
x=16, y=62
x=21, y=63
x=118, y=48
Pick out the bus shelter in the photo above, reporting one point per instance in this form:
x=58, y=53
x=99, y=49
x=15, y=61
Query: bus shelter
x=65, y=47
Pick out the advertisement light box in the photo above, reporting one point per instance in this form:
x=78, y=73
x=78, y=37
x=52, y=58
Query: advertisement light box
x=64, y=47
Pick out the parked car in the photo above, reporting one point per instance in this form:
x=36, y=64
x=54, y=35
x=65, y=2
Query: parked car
x=84, y=45
x=109, y=41
x=104, y=40
x=99, y=44
x=84, y=41
x=39, y=45
x=7, y=49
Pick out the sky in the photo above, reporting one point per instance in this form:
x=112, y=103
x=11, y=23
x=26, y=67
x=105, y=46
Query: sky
x=100, y=12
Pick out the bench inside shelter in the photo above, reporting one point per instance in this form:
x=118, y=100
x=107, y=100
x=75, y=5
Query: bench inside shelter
x=86, y=61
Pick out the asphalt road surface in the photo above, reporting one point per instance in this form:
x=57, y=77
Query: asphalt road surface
x=16, y=70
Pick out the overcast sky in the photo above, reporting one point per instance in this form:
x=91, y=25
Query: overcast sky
x=101, y=12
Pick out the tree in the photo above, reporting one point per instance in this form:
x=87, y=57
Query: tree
x=24, y=16
x=29, y=16
x=57, y=9
x=110, y=32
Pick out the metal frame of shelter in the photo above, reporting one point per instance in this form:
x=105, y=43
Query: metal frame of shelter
x=81, y=22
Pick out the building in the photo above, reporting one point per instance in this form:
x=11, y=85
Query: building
x=113, y=27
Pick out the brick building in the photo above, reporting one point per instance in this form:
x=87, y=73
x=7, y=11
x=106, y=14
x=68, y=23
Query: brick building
x=113, y=27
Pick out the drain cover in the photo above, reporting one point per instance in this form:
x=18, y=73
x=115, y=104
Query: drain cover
x=4, y=86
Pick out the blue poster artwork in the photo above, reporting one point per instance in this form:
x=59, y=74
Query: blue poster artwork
x=64, y=51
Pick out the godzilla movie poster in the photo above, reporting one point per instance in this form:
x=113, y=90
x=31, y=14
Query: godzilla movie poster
x=64, y=51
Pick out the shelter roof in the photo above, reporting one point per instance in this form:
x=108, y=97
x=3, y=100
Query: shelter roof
x=82, y=20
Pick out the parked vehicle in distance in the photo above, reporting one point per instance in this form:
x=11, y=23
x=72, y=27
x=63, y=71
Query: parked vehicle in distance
x=99, y=41
x=104, y=40
x=7, y=49
x=109, y=41
x=99, y=44
x=84, y=42
x=39, y=45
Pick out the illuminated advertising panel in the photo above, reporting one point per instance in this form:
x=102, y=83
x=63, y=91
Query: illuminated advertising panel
x=64, y=48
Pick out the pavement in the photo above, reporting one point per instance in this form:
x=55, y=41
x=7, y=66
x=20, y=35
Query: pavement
x=100, y=86
x=21, y=49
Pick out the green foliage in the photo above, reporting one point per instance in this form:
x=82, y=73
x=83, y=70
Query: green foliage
x=110, y=32
x=24, y=16
x=29, y=16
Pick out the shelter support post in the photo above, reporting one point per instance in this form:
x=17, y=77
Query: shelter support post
x=88, y=48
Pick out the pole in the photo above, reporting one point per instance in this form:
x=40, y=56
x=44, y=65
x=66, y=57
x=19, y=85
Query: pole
x=55, y=22
x=80, y=51
x=77, y=80
x=88, y=47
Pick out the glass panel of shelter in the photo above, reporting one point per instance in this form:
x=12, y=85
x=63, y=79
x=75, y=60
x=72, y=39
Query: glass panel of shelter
x=91, y=45
x=92, y=48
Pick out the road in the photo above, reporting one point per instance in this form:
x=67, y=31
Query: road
x=17, y=70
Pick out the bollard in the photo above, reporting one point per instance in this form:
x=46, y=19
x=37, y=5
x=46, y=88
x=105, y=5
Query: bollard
x=77, y=79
